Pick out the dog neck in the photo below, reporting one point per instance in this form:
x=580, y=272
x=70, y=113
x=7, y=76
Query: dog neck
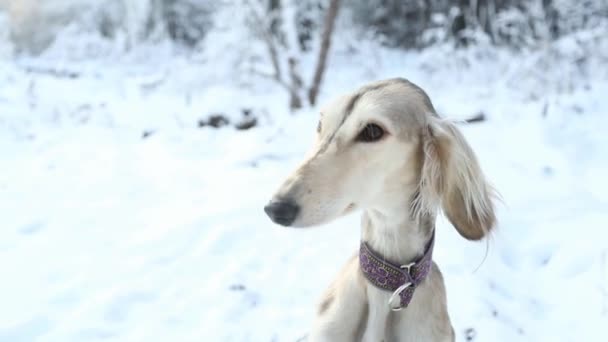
x=396, y=236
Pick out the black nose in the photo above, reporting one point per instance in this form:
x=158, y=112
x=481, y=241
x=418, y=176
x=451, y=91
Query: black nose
x=282, y=212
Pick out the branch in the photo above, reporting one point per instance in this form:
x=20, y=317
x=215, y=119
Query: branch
x=293, y=82
x=52, y=72
x=479, y=117
x=261, y=28
x=330, y=19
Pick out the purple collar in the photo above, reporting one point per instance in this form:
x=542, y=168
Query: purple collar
x=399, y=279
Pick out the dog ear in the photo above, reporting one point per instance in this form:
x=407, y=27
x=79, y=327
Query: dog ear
x=451, y=177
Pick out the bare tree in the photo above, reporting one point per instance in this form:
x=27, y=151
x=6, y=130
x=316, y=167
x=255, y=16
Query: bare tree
x=267, y=28
x=330, y=19
x=295, y=82
x=282, y=49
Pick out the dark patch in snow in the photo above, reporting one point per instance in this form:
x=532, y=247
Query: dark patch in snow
x=237, y=287
x=147, y=133
x=215, y=121
x=31, y=228
x=248, y=120
x=577, y=109
x=479, y=117
x=246, y=123
x=52, y=72
x=470, y=334
x=250, y=298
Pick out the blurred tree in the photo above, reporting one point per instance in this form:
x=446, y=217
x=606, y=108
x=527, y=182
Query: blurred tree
x=397, y=22
x=187, y=21
x=328, y=29
x=309, y=15
x=292, y=29
x=286, y=40
x=514, y=23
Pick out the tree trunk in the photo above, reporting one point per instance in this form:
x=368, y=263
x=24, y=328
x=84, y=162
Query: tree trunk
x=330, y=19
x=295, y=85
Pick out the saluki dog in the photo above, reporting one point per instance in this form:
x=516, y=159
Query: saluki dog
x=384, y=150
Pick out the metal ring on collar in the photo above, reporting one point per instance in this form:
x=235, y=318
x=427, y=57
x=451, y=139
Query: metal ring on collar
x=397, y=294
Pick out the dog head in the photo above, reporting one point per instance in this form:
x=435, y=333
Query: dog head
x=383, y=146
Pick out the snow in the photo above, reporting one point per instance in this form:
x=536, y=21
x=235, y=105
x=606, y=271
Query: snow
x=110, y=236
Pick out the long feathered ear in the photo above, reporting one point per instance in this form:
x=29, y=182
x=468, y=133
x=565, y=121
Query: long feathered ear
x=451, y=177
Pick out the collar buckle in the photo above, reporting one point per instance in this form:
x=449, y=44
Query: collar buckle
x=408, y=267
x=397, y=294
x=399, y=280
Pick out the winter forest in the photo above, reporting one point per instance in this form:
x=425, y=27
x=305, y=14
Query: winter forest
x=141, y=139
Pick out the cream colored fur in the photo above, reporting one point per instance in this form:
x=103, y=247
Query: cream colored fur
x=423, y=163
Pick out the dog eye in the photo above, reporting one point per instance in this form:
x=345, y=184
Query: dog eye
x=371, y=133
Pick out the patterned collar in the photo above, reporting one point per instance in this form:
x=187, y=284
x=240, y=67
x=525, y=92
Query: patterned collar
x=402, y=280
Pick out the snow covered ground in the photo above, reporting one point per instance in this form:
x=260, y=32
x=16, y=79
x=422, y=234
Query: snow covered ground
x=107, y=235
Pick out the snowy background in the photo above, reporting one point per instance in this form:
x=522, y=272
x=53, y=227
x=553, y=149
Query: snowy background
x=127, y=216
